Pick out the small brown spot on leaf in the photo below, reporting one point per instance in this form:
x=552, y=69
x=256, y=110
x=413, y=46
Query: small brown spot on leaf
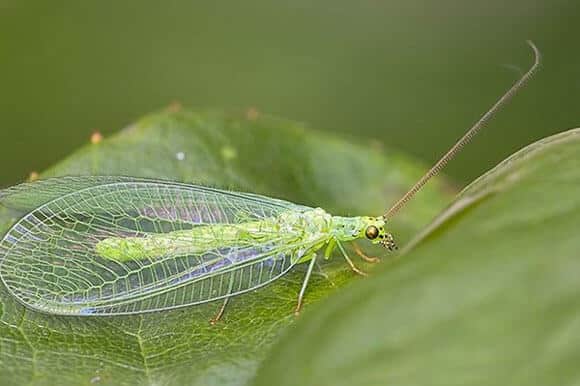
x=252, y=114
x=96, y=138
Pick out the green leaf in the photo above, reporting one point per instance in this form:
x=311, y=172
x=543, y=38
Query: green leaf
x=258, y=154
x=487, y=295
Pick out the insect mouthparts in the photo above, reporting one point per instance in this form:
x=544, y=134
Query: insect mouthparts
x=389, y=243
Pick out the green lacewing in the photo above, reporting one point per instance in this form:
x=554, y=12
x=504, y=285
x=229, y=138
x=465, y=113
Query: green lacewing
x=120, y=245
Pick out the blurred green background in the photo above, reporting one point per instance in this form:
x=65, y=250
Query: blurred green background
x=412, y=74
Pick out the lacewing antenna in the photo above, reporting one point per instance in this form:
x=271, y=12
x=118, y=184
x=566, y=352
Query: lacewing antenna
x=468, y=136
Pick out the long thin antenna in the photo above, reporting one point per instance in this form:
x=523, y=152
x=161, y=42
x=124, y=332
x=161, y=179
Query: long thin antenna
x=468, y=136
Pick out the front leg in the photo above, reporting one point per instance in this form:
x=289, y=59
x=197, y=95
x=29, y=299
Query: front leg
x=329, y=249
x=349, y=261
x=368, y=259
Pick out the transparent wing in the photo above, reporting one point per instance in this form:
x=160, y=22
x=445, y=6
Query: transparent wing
x=30, y=195
x=48, y=259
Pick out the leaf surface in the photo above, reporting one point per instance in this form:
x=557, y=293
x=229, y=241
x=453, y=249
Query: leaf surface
x=256, y=154
x=489, y=294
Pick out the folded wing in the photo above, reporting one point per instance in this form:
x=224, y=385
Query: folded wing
x=49, y=259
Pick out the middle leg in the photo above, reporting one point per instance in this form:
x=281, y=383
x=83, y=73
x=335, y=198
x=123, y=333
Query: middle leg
x=304, y=285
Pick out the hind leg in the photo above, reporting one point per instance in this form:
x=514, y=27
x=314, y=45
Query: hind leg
x=222, y=309
x=220, y=312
